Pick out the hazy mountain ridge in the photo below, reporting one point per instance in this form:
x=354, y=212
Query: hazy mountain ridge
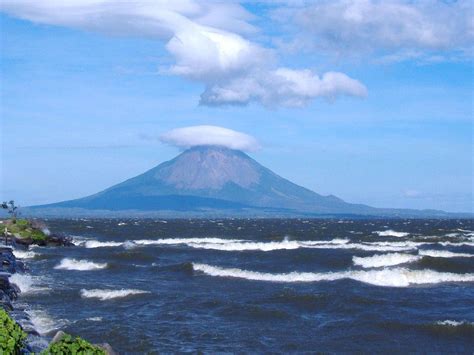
x=211, y=178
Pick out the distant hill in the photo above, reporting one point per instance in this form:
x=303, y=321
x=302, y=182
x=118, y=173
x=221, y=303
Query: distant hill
x=212, y=180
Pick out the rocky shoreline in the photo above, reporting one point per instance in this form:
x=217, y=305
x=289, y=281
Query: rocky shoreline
x=9, y=291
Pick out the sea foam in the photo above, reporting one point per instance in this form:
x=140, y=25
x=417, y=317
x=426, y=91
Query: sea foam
x=171, y=241
x=389, y=277
x=391, y=233
x=43, y=323
x=27, y=283
x=24, y=254
x=98, y=244
x=444, y=254
x=390, y=259
x=79, y=265
x=105, y=295
x=454, y=323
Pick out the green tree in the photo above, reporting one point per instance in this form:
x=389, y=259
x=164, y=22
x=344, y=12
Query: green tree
x=11, y=208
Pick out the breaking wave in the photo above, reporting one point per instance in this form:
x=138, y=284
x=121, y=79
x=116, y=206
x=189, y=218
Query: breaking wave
x=97, y=244
x=27, y=283
x=454, y=323
x=267, y=246
x=24, y=254
x=390, y=259
x=286, y=244
x=79, y=265
x=43, y=323
x=105, y=295
x=444, y=254
x=391, y=233
x=171, y=241
x=395, y=277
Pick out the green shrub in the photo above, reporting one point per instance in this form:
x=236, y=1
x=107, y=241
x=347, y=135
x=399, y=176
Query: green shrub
x=38, y=236
x=22, y=223
x=70, y=345
x=23, y=229
x=12, y=337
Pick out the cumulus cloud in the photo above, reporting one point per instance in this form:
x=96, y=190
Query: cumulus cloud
x=193, y=136
x=208, y=41
x=283, y=86
x=397, y=29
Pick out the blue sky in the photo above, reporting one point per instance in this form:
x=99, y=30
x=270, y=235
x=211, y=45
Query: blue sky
x=82, y=106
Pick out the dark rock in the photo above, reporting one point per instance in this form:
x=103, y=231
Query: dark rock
x=59, y=240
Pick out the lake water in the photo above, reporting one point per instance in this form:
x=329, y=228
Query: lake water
x=248, y=285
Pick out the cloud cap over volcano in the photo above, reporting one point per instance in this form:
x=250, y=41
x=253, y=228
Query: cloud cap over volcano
x=193, y=136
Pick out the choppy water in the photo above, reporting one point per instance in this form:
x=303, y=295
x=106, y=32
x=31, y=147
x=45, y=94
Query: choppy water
x=258, y=285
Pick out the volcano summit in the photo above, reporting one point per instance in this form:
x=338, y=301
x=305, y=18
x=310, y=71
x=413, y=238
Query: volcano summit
x=209, y=181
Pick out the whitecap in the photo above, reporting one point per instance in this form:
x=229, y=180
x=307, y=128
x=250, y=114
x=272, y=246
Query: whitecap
x=444, y=254
x=94, y=319
x=129, y=244
x=105, y=295
x=24, y=254
x=27, y=283
x=79, y=265
x=286, y=244
x=391, y=233
x=453, y=323
x=97, y=244
x=172, y=241
x=390, y=259
x=268, y=246
x=389, y=277
x=460, y=244
x=43, y=323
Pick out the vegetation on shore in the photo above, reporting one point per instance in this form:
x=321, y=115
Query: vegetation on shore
x=12, y=337
x=73, y=345
x=25, y=229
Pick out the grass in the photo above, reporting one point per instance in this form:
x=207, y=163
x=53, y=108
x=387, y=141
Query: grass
x=22, y=228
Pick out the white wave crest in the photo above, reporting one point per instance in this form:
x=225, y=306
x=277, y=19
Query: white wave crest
x=27, y=283
x=396, y=277
x=453, y=323
x=105, y=295
x=365, y=246
x=171, y=241
x=129, y=245
x=79, y=265
x=239, y=246
x=459, y=244
x=94, y=319
x=43, y=323
x=246, y=245
x=391, y=233
x=444, y=254
x=97, y=244
x=390, y=259
x=24, y=254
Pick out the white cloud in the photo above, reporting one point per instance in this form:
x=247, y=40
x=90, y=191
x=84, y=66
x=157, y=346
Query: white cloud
x=283, y=86
x=192, y=136
x=207, y=41
x=395, y=28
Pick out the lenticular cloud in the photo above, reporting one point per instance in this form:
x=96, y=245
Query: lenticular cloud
x=187, y=137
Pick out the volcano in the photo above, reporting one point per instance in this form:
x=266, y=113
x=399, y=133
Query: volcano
x=214, y=180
